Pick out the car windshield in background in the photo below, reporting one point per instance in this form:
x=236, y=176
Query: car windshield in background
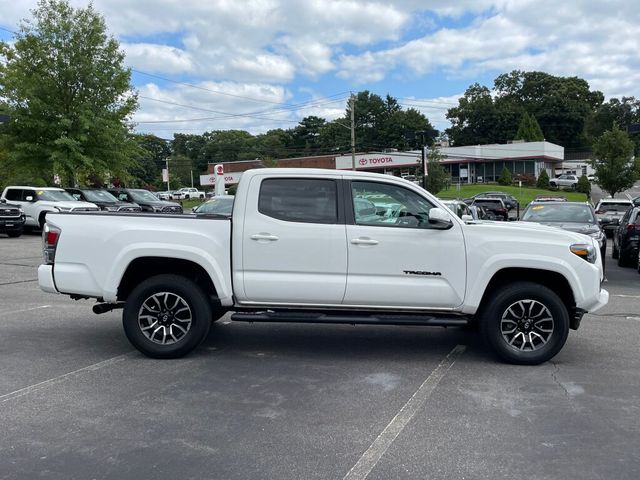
x=143, y=196
x=99, y=196
x=219, y=206
x=54, y=196
x=489, y=203
x=565, y=212
x=614, y=207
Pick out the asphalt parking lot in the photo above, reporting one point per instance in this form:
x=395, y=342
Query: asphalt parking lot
x=260, y=401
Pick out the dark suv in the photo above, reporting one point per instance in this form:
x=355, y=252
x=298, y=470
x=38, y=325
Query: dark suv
x=12, y=219
x=509, y=201
x=147, y=200
x=626, y=238
x=495, y=207
x=103, y=199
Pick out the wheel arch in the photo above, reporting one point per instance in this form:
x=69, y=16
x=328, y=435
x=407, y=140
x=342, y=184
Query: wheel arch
x=554, y=281
x=143, y=268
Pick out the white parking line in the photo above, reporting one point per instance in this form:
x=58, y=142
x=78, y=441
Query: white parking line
x=374, y=453
x=91, y=368
x=625, y=296
x=25, y=310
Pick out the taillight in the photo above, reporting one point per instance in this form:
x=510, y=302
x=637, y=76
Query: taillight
x=631, y=227
x=599, y=212
x=50, y=237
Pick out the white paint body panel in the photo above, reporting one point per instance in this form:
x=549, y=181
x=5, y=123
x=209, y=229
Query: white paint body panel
x=314, y=265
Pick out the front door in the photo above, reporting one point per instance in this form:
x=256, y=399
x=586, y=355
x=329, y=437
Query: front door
x=395, y=258
x=293, y=242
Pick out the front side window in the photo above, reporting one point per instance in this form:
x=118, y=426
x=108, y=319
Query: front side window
x=14, y=194
x=299, y=200
x=380, y=204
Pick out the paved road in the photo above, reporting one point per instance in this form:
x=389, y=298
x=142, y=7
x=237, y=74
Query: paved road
x=308, y=402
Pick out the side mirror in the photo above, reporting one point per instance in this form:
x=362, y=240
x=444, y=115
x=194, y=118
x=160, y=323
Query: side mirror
x=29, y=198
x=2, y=200
x=439, y=219
x=467, y=218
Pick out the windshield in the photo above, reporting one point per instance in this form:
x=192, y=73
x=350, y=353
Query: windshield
x=220, y=206
x=99, y=196
x=54, y=196
x=566, y=213
x=143, y=196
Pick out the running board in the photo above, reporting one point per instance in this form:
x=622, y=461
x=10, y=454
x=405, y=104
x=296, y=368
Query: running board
x=373, y=319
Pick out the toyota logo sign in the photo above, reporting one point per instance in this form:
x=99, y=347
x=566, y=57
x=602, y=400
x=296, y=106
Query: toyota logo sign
x=363, y=161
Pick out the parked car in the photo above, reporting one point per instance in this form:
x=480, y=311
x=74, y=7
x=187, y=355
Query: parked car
x=494, y=205
x=36, y=202
x=188, y=193
x=147, y=200
x=295, y=250
x=636, y=201
x=164, y=195
x=220, y=205
x=176, y=195
x=591, y=177
x=509, y=201
x=576, y=217
x=570, y=181
x=461, y=209
x=609, y=211
x=626, y=237
x=103, y=199
x=12, y=218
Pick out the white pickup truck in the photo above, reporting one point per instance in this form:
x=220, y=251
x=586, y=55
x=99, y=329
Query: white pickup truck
x=326, y=246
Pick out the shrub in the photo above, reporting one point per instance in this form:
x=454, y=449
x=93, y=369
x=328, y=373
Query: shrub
x=526, y=178
x=584, y=185
x=543, y=180
x=505, y=177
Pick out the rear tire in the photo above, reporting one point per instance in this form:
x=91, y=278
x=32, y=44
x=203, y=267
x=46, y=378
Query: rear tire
x=525, y=323
x=15, y=234
x=623, y=261
x=167, y=316
x=614, y=251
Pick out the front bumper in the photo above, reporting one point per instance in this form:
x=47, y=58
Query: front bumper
x=11, y=224
x=46, y=280
x=599, y=301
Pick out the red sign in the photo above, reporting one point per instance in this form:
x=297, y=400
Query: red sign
x=219, y=170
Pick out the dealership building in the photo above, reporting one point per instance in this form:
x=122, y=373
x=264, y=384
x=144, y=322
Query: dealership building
x=469, y=164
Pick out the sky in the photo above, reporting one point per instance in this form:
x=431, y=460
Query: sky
x=256, y=65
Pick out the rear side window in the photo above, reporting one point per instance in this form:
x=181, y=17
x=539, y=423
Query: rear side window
x=299, y=200
x=14, y=194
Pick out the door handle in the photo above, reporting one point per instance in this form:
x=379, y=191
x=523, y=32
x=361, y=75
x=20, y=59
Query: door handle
x=264, y=236
x=364, y=241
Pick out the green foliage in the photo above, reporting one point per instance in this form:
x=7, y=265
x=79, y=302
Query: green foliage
x=68, y=95
x=529, y=129
x=615, y=169
x=561, y=105
x=150, y=160
x=505, y=177
x=622, y=112
x=438, y=177
x=543, y=180
x=584, y=185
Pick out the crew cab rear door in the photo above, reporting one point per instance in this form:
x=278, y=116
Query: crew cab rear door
x=395, y=258
x=293, y=242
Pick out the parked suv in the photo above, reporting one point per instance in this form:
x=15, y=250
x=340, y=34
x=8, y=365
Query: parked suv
x=626, y=238
x=509, y=201
x=147, y=200
x=187, y=193
x=609, y=212
x=564, y=181
x=103, y=199
x=38, y=201
x=12, y=219
x=494, y=206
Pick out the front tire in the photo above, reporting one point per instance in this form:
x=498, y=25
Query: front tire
x=15, y=233
x=166, y=316
x=525, y=323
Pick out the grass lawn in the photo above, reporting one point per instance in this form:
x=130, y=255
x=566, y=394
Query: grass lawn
x=524, y=194
x=189, y=204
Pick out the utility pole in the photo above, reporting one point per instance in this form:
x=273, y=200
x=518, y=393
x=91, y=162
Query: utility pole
x=352, y=100
x=167, y=169
x=191, y=178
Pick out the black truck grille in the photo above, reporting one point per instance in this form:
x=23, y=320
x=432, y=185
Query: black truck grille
x=9, y=212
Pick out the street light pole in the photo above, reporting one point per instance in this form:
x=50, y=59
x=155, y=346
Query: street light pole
x=352, y=100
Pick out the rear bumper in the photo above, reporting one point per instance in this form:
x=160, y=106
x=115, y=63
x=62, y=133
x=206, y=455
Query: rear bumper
x=45, y=279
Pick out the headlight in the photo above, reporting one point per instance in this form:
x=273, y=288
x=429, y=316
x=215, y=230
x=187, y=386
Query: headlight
x=157, y=209
x=111, y=209
x=584, y=251
x=63, y=209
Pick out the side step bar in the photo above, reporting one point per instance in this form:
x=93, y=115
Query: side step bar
x=372, y=319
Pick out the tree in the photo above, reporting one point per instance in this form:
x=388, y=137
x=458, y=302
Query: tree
x=68, y=94
x=505, y=177
x=624, y=112
x=543, y=180
x=529, y=129
x=615, y=169
x=152, y=154
x=437, y=176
